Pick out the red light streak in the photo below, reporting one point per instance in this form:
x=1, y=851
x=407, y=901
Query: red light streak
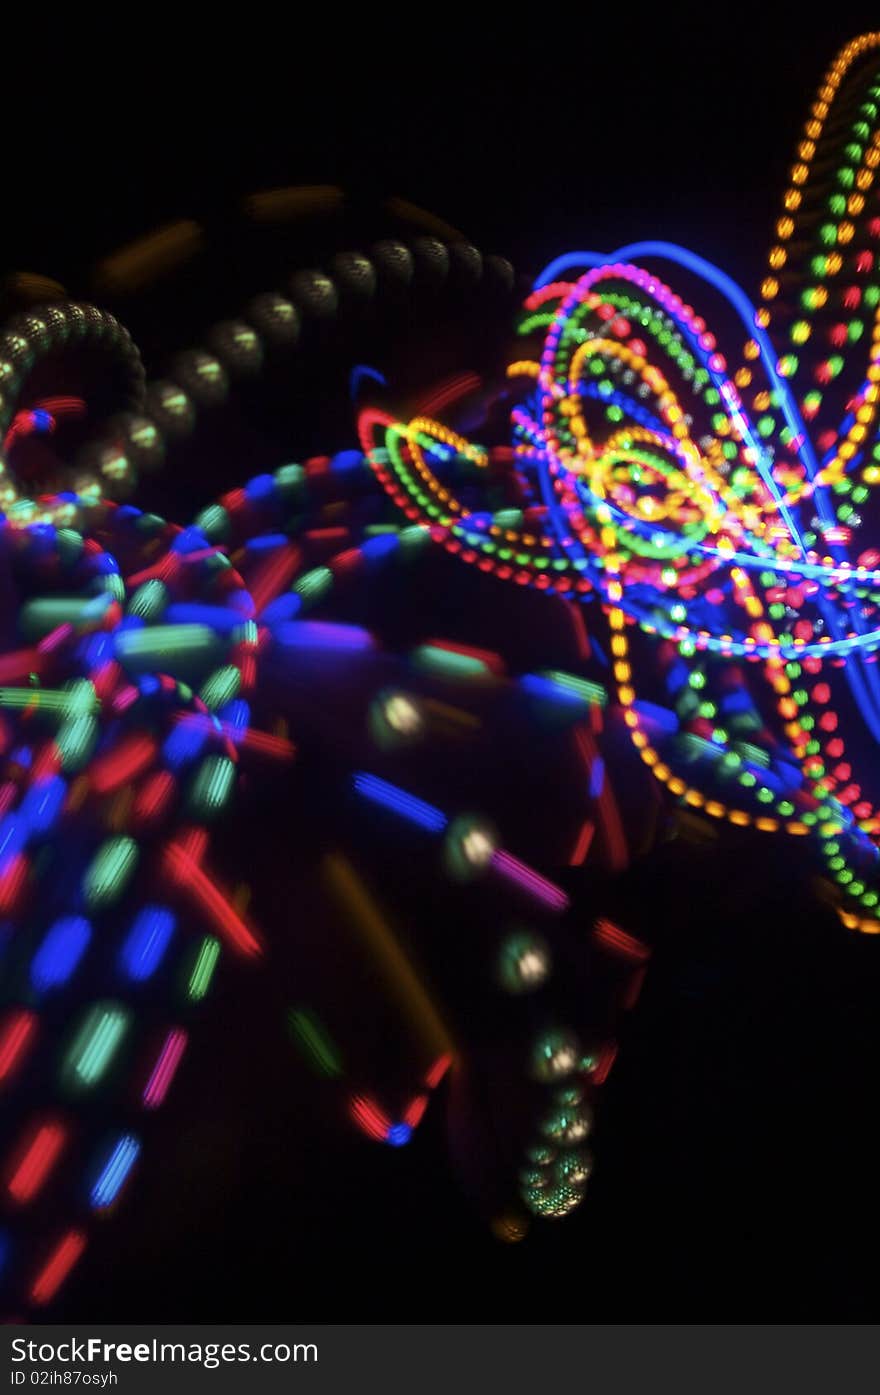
x=37, y=1162
x=182, y=867
x=58, y=1266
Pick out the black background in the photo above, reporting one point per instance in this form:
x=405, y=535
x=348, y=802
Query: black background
x=601, y=126
x=738, y=1162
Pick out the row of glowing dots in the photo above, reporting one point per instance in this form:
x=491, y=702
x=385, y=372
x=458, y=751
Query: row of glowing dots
x=813, y=132
x=97, y=1040
x=635, y=447
x=658, y=325
x=688, y=491
x=570, y=406
x=840, y=205
x=115, y=860
x=96, y=1044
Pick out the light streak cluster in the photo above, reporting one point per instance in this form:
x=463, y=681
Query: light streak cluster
x=699, y=516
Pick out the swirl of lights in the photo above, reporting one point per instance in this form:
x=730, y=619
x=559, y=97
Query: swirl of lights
x=713, y=529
